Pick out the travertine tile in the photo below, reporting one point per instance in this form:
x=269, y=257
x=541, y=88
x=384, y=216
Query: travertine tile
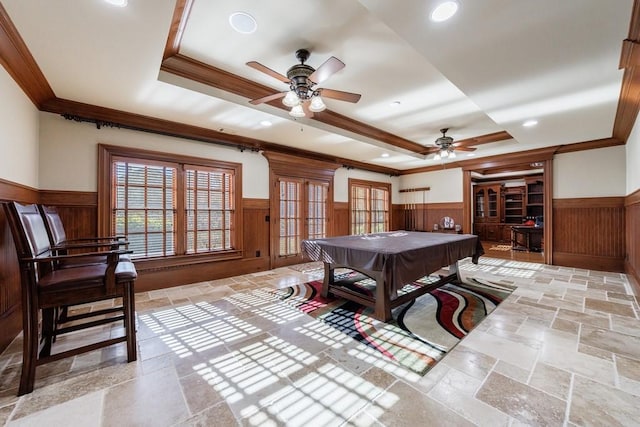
x=82, y=411
x=620, y=309
x=225, y=358
x=456, y=391
x=403, y=405
x=470, y=361
x=521, y=401
x=595, y=404
x=625, y=345
x=154, y=399
x=551, y=380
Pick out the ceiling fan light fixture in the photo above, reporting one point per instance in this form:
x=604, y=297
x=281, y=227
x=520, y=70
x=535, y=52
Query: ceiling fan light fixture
x=317, y=104
x=297, y=111
x=444, y=154
x=291, y=99
x=452, y=155
x=436, y=157
x=444, y=11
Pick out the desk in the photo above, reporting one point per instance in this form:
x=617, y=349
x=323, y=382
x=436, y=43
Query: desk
x=393, y=260
x=526, y=238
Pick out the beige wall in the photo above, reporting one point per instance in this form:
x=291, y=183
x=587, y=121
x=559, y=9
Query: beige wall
x=18, y=134
x=341, y=183
x=445, y=186
x=69, y=154
x=592, y=173
x=632, y=149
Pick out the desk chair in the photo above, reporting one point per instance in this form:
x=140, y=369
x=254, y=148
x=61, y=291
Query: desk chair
x=44, y=289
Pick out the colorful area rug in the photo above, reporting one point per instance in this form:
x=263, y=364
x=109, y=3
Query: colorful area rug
x=421, y=332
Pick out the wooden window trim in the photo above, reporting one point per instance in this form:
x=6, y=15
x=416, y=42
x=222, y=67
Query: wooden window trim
x=371, y=185
x=107, y=154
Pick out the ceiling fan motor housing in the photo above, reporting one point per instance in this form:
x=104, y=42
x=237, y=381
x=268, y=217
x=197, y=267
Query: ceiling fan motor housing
x=298, y=76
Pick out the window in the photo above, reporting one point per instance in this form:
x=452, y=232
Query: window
x=167, y=204
x=369, y=205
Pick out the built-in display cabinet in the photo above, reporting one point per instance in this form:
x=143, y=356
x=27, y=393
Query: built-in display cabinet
x=498, y=206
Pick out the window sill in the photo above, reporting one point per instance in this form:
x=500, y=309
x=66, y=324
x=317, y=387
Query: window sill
x=144, y=264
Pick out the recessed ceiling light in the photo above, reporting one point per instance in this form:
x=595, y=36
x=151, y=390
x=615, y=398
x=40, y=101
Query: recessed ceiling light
x=119, y=3
x=266, y=123
x=384, y=155
x=395, y=104
x=530, y=123
x=470, y=154
x=243, y=23
x=444, y=11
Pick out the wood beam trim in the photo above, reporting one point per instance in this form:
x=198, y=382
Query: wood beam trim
x=629, y=99
x=19, y=63
x=178, y=22
x=205, y=74
x=589, y=203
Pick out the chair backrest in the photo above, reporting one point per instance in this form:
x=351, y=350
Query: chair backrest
x=29, y=233
x=55, y=228
x=28, y=230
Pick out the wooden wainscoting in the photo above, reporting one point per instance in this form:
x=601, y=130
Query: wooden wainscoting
x=632, y=240
x=589, y=233
x=422, y=216
x=341, y=219
x=10, y=292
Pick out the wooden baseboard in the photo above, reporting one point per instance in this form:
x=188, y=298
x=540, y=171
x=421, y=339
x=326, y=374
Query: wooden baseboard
x=589, y=262
x=634, y=277
x=11, y=322
x=160, y=278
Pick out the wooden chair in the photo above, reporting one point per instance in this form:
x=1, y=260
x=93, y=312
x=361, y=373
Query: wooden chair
x=60, y=245
x=44, y=289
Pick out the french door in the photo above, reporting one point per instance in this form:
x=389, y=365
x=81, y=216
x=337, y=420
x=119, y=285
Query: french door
x=302, y=212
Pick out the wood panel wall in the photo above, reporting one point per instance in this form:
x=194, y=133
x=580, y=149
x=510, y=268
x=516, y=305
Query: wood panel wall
x=422, y=216
x=10, y=294
x=632, y=240
x=589, y=233
x=341, y=219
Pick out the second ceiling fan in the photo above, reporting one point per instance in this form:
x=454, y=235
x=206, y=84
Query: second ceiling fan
x=303, y=97
x=446, y=147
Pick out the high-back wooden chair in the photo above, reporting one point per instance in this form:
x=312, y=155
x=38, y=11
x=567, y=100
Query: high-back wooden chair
x=45, y=289
x=61, y=245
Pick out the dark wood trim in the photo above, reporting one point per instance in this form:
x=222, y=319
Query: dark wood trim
x=588, y=262
x=178, y=22
x=547, y=179
x=588, y=145
x=633, y=198
x=467, y=214
x=17, y=192
x=208, y=75
x=255, y=203
x=69, y=198
x=289, y=165
x=629, y=100
x=19, y=63
x=589, y=203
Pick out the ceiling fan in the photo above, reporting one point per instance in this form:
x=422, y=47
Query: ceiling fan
x=446, y=147
x=303, y=97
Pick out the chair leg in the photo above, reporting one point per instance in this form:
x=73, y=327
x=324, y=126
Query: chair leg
x=48, y=327
x=29, y=346
x=128, y=303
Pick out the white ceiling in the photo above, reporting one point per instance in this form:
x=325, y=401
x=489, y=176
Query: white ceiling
x=495, y=64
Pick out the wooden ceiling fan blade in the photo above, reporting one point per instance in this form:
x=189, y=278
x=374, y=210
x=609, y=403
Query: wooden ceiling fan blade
x=323, y=72
x=340, y=95
x=268, y=98
x=258, y=66
x=464, y=148
x=307, y=112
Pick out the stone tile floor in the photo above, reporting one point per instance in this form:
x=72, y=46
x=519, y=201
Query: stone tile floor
x=563, y=349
